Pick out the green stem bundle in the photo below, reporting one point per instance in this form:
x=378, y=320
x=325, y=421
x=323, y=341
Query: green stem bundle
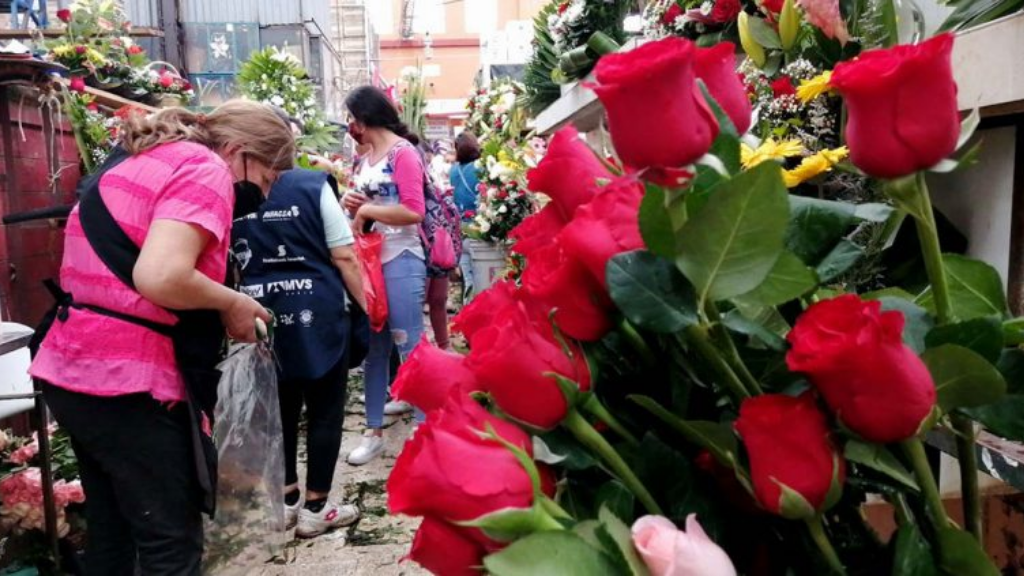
x=814, y=526
x=697, y=336
x=914, y=449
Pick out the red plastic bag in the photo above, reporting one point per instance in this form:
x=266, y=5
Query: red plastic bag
x=368, y=248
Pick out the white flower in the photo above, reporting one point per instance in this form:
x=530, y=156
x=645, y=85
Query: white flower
x=503, y=209
x=485, y=226
x=277, y=100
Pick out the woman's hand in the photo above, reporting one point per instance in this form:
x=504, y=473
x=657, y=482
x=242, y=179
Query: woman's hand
x=353, y=201
x=240, y=317
x=361, y=218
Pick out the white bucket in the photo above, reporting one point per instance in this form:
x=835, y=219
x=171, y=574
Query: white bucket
x=488, y=264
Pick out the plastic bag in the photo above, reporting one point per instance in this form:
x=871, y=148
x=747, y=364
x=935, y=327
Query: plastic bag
x=249, y=527
x=368, y=247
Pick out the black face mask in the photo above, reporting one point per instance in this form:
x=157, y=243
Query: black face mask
x=248, y=196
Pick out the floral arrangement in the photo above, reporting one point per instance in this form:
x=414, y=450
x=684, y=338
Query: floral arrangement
x=696, y=18
x=539, y=88
x=583, y=30
x=96, y=133
x=277, y=77
x=672, y=388
x=493, y=112
x=503, y=201
x=21, y=492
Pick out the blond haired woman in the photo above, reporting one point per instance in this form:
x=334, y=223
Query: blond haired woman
x=114, y=373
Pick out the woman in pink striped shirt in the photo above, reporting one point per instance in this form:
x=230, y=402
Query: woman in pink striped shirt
x=116, y=385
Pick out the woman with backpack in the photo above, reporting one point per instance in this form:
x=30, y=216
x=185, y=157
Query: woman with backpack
x=465, y=180
x=388, y=198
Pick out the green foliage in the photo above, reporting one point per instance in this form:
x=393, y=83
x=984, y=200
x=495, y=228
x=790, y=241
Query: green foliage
x=539, y=89
x=414, y=102
x=276, y=77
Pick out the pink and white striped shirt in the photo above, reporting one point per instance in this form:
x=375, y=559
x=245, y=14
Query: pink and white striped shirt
x=102, y=356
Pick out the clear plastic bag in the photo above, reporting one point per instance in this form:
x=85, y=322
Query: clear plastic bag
x=249, y=526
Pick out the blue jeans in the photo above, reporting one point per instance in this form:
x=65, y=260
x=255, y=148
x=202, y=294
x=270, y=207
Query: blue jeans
x=466, y=266
x=405, y=278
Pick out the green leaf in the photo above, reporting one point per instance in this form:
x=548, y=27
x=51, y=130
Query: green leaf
x=873, y=212
x=587, y=530
x=880, y=459
x=913, y=555
x=617, y=539
x=715, y=437
x=511, y=523
x=918, y=323
x=975, y=288
x=617, y=499
x=764, y=34
x=961, y=555
x=1013, y=331
x=1004, y=417
x=655, y=224
x=729, y=247
x=577, y=457
x=755, y=328
x=963, y=379
x=839, y=260
x=668, y=475
x=982, y=335
x=651, y=292
x=561, y=553
x=816, y=225
x=789, y=279
x=1011, y=366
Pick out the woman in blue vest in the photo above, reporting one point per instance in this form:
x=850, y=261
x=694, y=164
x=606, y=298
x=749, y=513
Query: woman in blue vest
x=464, y=181
x=295, y=256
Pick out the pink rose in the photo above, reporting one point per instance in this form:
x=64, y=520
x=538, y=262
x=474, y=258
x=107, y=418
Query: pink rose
x=668, y=551
x=25, y=453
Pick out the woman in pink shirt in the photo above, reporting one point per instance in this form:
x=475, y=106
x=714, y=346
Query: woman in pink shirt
x=117, y=385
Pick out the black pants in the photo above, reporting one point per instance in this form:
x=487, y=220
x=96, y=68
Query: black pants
x=142, y=498
x=324, y=398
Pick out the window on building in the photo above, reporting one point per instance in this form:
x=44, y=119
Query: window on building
x=213, y=55
x=481, y=16
x=428, y=16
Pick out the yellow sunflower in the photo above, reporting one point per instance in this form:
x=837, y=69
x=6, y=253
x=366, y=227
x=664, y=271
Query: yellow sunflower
x=813, y=165
x=769, y=150
x=811, y=89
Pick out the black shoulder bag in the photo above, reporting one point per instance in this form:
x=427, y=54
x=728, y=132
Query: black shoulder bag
x=197, y=336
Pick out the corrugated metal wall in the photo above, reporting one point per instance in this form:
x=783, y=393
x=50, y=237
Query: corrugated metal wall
x=142, y=12
x=266, y=12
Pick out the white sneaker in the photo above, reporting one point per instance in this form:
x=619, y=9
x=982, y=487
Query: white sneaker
x=291, y=515
x=332, y=516
x=396, y=407
x=371, y=447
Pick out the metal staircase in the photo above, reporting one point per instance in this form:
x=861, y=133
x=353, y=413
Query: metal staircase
x=356, y=42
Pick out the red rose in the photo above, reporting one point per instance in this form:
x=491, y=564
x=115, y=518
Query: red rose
x=773, y=7
x=64, y=15
x=536, y=231
x=447, y=470
x=477, y=315
x=669, y=17
x=568, y=173
x=93, y=107
x=429, y=375
x=788, y=444
x=77, y=84
x=656, y=113
x=783, y=87
x=903, y=114
x=853, y=353
x=166, y=80
x=80, y=49
x=555, y=281
x=716, y=66
x=608, y=225
x=446, y=549
x=725, y=11
x=133, y=50
x=514, y=360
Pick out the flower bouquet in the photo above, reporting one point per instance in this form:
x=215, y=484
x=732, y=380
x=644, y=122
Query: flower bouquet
x=503, y=200
x=493, y=113
x=672, y=388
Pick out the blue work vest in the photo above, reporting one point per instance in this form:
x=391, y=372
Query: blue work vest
x=285, y=264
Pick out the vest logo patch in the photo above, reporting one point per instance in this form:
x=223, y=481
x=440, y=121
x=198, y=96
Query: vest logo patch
x=271, y=215
x=242, y=253
x=300, y=285
x=306, y=317
x=254, y=291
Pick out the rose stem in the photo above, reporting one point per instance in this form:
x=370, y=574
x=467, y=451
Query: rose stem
x=590, y=438
x=697, y=336
x=732, y=354
x=904, y=516
x=967, y=459
x=914, y=450
x=638, y=343
x=553, y=508
x=821, y=539
x=594, y=406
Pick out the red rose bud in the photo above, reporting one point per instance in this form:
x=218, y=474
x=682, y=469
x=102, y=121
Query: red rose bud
x=725, y=11
x=80, y=49
x=716, y=66
x=514, y=360
x=568, y=173
x=656, y=113
x=64, y=15
x=773, y=7
x=608, y=225
x=794, y=466
x=446, y=549
x=853, y=353
x=447, y=470
x=478, y=314
x=669, y=17
x=77, y=84
x=783, y=87
x=555, y=281
x=430, y=375
x=903, y=114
